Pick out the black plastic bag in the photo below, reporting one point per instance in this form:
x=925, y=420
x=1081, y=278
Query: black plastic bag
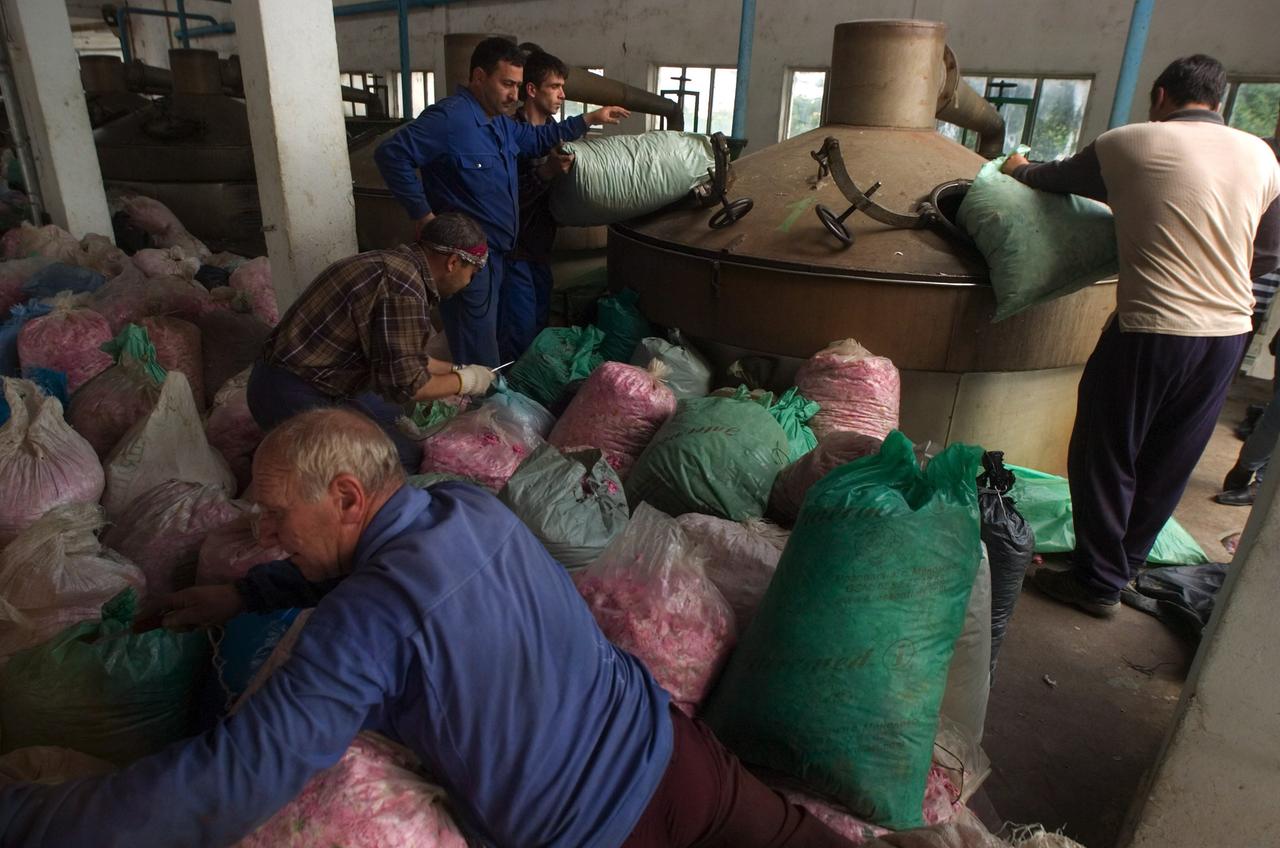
x=1181, y=596
x=1010, y=544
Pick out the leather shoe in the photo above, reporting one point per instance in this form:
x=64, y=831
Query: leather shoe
x=1238, y=497
x=1237, y=478
x=1063, y=587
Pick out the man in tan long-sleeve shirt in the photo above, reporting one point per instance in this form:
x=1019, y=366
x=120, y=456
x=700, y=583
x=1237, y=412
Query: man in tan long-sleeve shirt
x=1197, y=218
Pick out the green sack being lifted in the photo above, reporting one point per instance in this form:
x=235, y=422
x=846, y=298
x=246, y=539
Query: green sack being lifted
x=1044, y=500
x=558, y=357
x=716, y=455
x=102, y=690
x=837, y=684
x=573, y=502
x=1038, y=245
x=623, y=176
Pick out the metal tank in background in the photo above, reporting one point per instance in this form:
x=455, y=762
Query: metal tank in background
x=881, y=263
x=106, y=91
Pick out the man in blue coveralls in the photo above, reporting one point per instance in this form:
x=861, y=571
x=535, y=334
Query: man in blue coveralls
x=460, y=156
x=441, y=622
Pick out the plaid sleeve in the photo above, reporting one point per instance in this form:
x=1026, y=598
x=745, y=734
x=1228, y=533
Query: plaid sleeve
x=398, y=331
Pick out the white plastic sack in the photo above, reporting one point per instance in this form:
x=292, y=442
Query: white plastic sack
x=55, y=574
x=44, y=463
x=690, y=372
x=740, y=558
x=969, y=678
x=169, y=444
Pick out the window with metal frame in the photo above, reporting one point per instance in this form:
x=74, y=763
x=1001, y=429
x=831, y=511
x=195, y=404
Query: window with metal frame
x=706, y=93
x=1044, y=113
x=365, y=81
x=569, y=108
x=423, y=84
x=1252, y=105
x=806, y=101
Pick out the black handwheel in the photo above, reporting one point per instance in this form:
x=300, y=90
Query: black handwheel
x=731, y=213
x=835, y=225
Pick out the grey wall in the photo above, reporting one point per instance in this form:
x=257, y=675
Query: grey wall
x=630, y=37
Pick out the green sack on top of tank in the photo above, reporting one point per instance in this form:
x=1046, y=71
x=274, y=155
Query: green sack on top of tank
x=838, y=682
x=623, y=325
x=573, y=502
x=623, y=176
x=1045, y=502
x=558, y=357
x=690, y=375
x=102, y=690
x=1038, y=245
x=716, y=455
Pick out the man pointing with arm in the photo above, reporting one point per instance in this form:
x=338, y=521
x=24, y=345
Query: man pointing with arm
x=460, y=156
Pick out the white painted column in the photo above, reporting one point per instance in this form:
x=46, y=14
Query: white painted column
x=1218, y=777
x=289, y=55
x=47, y=74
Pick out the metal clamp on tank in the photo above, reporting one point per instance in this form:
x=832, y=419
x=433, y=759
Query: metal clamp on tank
x=731, y=211
x=928, y=213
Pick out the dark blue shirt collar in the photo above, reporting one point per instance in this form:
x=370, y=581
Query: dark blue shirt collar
x=390, y=521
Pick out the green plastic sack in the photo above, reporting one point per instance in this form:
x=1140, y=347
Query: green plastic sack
x=716, y=455
x=519, y=410
x=690, y=373
x=623, y=325
x=426, y=481
x=1045, y=502
x=838, y=682
x=558, y=357
x=101, y=690
x=1038, y=245
x=792, y=411
x=428, y=415
x=573, y=502
x=623, y=176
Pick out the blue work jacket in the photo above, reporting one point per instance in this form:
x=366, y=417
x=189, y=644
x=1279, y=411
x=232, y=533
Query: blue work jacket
x=455, y=634
x=467, y=163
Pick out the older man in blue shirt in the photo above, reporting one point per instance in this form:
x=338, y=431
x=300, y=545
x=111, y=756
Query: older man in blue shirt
x=465, y=149
x=441, y=622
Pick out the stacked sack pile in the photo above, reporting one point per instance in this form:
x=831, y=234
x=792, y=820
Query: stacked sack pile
x=700, y=529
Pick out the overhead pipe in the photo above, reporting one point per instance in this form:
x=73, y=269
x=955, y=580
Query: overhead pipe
x=966, y=108
x=18, y=132
x=584, y=86
x=367, y=8
x=147, y=79
x=406, y=75
x=1130, y=65
x=119, y=17
x=746, y=39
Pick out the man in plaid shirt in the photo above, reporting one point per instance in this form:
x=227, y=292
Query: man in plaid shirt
x=357, y=337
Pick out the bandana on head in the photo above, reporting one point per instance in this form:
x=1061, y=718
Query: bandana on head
x=477, y=255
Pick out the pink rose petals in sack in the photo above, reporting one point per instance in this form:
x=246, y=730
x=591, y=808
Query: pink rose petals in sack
x=156, y=220
x=163, y=529
x=618, y=409
x=254, y=279
x=179, y=347
x=231, y=429
x=69, y=339
x=50, y=241
x=104, y=408
x=229, y=551
x=857, y=390
x=13, y=274
x=650, y=595
x=166, y=262
x=55, y=574
x=740, y=558
x=132, y=296
x=479, y=445
x=941, y=804
x=99, y=254
x=371, y=798
x=794, y=481
x=43, y=462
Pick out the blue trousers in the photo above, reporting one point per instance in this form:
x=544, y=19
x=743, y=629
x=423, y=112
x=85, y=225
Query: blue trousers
x=275, y=394
x=526, y=306
x=1147, y=407
x=471, y=316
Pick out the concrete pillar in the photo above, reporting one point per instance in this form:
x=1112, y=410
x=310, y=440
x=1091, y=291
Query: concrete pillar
x=1218, y=778
x=47, y=76
x=289, y=56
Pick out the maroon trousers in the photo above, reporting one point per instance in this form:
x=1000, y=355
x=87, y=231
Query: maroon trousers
x=708, y=800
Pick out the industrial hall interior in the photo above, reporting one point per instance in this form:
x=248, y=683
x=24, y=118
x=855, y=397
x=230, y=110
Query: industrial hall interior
x=607, y=424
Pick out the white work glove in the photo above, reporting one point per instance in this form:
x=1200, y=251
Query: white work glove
x=476, y=379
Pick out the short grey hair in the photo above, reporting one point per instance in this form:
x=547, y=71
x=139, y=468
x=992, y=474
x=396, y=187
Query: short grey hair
x=318, y=445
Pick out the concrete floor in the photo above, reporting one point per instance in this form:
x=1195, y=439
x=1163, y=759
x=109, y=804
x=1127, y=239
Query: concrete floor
x=1080, y=707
